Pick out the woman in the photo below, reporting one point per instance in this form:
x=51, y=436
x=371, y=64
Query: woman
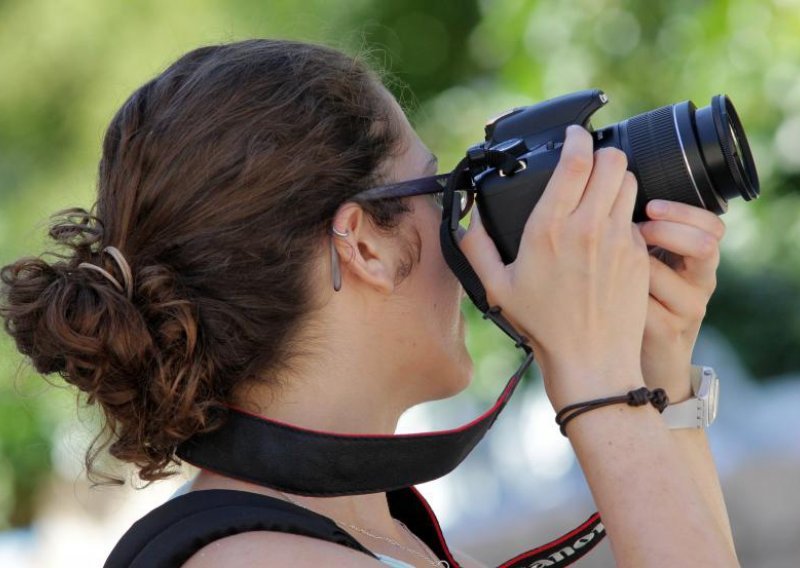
x=226, y=264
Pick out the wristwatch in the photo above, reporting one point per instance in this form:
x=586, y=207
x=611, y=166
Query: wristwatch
x=701, y=410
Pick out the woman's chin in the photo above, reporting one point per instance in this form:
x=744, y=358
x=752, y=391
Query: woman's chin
x=455, y=377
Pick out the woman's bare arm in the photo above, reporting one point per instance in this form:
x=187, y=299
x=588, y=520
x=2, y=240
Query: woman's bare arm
x=683, y=270
x=699, y=463
x=654, y=490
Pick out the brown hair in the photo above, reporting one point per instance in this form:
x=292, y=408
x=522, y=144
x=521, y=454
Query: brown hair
x=218, y=180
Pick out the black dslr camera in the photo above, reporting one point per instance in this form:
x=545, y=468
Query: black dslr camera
x=677, y=152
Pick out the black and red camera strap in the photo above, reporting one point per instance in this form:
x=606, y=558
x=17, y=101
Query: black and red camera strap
x=309, y=462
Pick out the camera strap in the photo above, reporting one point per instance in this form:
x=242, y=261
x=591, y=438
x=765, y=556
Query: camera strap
x=461, y=178
x=324, y=464
x=297, y=460
x=309, y=462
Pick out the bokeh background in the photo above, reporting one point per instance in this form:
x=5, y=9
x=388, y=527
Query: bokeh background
x=67, y=65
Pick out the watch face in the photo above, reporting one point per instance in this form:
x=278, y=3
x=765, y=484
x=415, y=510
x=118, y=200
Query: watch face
x=713, y=398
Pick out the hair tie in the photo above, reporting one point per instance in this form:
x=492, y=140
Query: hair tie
x=124, y=268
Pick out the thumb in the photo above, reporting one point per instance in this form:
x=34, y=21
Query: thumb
x=482, y=254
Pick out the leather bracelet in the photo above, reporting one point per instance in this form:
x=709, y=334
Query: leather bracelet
x=638, y=397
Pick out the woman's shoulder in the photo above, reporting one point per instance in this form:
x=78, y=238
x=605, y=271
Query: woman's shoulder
x=267, y=548
x=259, y=527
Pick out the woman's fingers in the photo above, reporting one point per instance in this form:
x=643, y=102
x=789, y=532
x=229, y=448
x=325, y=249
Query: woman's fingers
x=622, y=210
x=681, y=239
x=662, y=210
x=482, y=254
x=699, y=249
x=605, y=183
x=677, y=295
x=568, y=182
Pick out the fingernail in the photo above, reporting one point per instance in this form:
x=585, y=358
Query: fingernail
x=573, y=128
x=658, y=206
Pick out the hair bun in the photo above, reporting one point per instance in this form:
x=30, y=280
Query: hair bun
x=67, y=320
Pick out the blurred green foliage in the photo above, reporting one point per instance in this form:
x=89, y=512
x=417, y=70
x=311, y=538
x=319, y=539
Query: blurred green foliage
x=66, y=65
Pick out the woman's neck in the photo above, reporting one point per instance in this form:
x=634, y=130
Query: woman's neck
x=352, y=384
x=330, y=403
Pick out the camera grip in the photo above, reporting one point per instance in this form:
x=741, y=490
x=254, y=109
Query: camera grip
x=506, y=202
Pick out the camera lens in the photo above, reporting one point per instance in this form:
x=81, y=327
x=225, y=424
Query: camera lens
x=726, y=151
x=682, y=153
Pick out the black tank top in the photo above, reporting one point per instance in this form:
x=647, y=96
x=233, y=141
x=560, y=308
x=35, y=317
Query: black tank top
x=170, y=534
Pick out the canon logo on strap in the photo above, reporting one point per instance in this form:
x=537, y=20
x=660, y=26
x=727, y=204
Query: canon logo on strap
x=564, y=555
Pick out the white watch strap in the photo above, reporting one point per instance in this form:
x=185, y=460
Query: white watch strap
x=686, y=414
x=700, y=410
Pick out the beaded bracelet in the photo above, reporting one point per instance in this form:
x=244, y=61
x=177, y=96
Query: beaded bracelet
x=638, y=397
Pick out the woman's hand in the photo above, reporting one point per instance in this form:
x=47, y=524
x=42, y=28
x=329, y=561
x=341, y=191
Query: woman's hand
x=683, y=268
x=578, y=287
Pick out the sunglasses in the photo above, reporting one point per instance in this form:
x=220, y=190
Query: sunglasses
x=432, y=185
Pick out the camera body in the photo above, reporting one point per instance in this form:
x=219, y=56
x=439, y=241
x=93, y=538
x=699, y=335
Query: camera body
x=677, y=152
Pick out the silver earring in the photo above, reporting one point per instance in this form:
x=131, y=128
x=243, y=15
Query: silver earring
x=335, y=267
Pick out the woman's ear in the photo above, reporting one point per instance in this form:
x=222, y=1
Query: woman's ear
x=367, y=257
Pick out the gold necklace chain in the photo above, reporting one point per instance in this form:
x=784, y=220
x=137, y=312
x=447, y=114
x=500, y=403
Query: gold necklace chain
x=438, y=563
x=441, y=563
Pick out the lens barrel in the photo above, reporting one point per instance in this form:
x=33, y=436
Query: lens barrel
x=681, y=153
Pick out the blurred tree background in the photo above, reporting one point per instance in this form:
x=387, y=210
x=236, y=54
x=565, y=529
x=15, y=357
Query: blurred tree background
x=67, y=65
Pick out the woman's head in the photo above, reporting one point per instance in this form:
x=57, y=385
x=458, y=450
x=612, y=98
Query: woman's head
x=219, y=181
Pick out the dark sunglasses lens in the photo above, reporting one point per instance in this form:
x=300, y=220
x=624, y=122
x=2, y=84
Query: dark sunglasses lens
x=465, y=200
